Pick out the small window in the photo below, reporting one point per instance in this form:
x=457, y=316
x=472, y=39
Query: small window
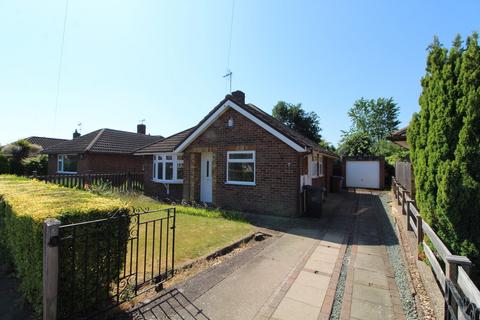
x=67, y=163
x=168, y=168
x=241, y=167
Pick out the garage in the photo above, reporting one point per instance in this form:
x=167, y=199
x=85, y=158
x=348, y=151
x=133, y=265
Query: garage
x=364, y=173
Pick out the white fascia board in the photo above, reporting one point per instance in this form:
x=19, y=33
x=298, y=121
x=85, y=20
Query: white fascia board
x=248, y=115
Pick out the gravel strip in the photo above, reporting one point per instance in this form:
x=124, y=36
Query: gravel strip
x=337, y=304
x=396, y=261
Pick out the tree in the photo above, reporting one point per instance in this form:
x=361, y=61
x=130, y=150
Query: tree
x=293, y=115
x=444, y=139
x=4, y=165
x=18, y=151
x=355, y=144
x=378, y=118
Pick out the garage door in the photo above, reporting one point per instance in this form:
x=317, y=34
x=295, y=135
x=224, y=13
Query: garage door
x=363, y=174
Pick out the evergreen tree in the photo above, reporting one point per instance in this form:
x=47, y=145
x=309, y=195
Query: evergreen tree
x=294, y=116
x=444, y=140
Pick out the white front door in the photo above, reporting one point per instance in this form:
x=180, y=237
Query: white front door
x=206, y=177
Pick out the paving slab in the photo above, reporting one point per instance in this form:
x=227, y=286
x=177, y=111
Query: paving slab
x=365, y=310
x=290, y=309
x=370, y=278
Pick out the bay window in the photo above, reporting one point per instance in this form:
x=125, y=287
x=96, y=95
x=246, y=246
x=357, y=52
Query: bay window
x=168, y=168
x=241, y=167
x=67, y=163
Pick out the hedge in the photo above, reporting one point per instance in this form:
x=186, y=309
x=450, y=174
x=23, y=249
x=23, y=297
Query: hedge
x=24, y=206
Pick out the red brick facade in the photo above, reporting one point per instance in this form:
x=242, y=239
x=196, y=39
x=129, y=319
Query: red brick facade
x=101, y=163
x=277, y=188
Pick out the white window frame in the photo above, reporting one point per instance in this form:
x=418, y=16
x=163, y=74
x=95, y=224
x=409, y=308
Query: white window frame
x=60, y=160
x=316, y=166
x=254, y=157
x=162, y=157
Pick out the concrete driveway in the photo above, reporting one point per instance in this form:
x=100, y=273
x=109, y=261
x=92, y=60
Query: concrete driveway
x=296, y=273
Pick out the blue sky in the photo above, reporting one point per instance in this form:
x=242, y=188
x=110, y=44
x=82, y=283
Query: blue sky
x=163, y=61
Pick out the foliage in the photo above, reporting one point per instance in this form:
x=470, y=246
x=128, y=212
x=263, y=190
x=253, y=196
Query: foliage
x=293, y=115
x=38, y=164
x=24, y=205
x=378, y=118
x=18, y=151
x=4, y=165
x=327, y=146
x=390, y=151
x=444, y=138
x=355, y=144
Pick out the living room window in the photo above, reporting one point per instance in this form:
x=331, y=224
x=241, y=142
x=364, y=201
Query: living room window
x=67, y=163
x=168, y=168
x=241, y=167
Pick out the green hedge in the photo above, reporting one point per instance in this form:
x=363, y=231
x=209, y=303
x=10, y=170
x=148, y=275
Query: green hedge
x=24, y=205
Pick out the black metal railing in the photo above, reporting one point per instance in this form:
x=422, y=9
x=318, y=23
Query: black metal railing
x=126, y=181
x=107, y=262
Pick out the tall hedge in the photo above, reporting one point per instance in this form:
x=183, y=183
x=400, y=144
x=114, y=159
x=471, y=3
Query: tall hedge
x=444, y=140
x=24, y=205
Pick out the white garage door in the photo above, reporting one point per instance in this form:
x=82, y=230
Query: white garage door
x=363, y=174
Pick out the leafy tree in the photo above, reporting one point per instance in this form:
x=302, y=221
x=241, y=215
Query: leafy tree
x=294, y=116
x=18, y=151
x=391, y=152
x=378, y=118
x=4, y=165
x=444, y=139
x=355, y=144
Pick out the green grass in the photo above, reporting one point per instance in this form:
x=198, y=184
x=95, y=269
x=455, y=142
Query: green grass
x=199, y=231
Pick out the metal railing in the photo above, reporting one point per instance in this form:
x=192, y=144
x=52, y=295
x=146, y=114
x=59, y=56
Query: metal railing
x=462, y=297
x=125, y=181
x=93, y=266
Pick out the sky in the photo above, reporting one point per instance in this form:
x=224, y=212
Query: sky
x=163, y=61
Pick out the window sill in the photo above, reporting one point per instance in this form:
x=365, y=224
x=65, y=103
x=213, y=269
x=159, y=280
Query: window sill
x=66, y=172
x=168, y=181
x=240, y=183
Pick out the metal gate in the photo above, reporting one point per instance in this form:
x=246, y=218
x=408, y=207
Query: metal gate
x=106, y=262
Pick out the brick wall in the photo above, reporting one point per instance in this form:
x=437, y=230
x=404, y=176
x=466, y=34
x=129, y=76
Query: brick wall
x=277, y=168
x=102, y=163
x=156, y=189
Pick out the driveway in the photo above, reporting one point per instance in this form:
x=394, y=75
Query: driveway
x=333, y=267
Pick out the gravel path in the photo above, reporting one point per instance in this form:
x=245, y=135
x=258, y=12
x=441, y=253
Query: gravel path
x=394, y=252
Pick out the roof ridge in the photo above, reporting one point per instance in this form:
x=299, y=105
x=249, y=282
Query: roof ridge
x=90, y=145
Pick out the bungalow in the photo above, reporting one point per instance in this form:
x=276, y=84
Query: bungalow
x=100, y=151
x=237, y=157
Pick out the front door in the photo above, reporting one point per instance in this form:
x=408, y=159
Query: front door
x=206, y=177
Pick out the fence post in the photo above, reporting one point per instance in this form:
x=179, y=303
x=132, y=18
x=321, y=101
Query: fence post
x=409, y=227
x=419, y=230
x=403, y=201
x=50, y=268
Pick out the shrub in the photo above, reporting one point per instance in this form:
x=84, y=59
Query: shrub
x=39, y=164
x=24, y=205
x=4, y=165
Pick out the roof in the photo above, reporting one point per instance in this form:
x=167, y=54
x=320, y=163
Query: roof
x=44, y=142
x=264, y=119
x=399, y=137
x=165, y=145
x=104, y=141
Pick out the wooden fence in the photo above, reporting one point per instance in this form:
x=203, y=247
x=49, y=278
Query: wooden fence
x=452, y=271
x=404, y=176
x=116, y=181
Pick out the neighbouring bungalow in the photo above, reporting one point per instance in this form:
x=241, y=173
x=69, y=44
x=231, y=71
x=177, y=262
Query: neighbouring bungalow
x=399, y=137
x=238, y=157
x=100, y=151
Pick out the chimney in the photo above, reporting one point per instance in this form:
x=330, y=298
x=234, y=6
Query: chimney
x=141, y=128
x=239, y=96
x=76, y=134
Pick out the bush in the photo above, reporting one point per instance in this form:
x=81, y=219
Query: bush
x=24, y=205
x=39, y=164
x=4, y=165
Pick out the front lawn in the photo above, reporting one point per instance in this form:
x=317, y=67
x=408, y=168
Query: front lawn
x=199, y=231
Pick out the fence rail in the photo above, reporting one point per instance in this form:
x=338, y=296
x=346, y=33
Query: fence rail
x=125, y=181
x=462, y=297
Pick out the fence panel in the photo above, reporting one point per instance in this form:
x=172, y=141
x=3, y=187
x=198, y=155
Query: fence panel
x=404, y=176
